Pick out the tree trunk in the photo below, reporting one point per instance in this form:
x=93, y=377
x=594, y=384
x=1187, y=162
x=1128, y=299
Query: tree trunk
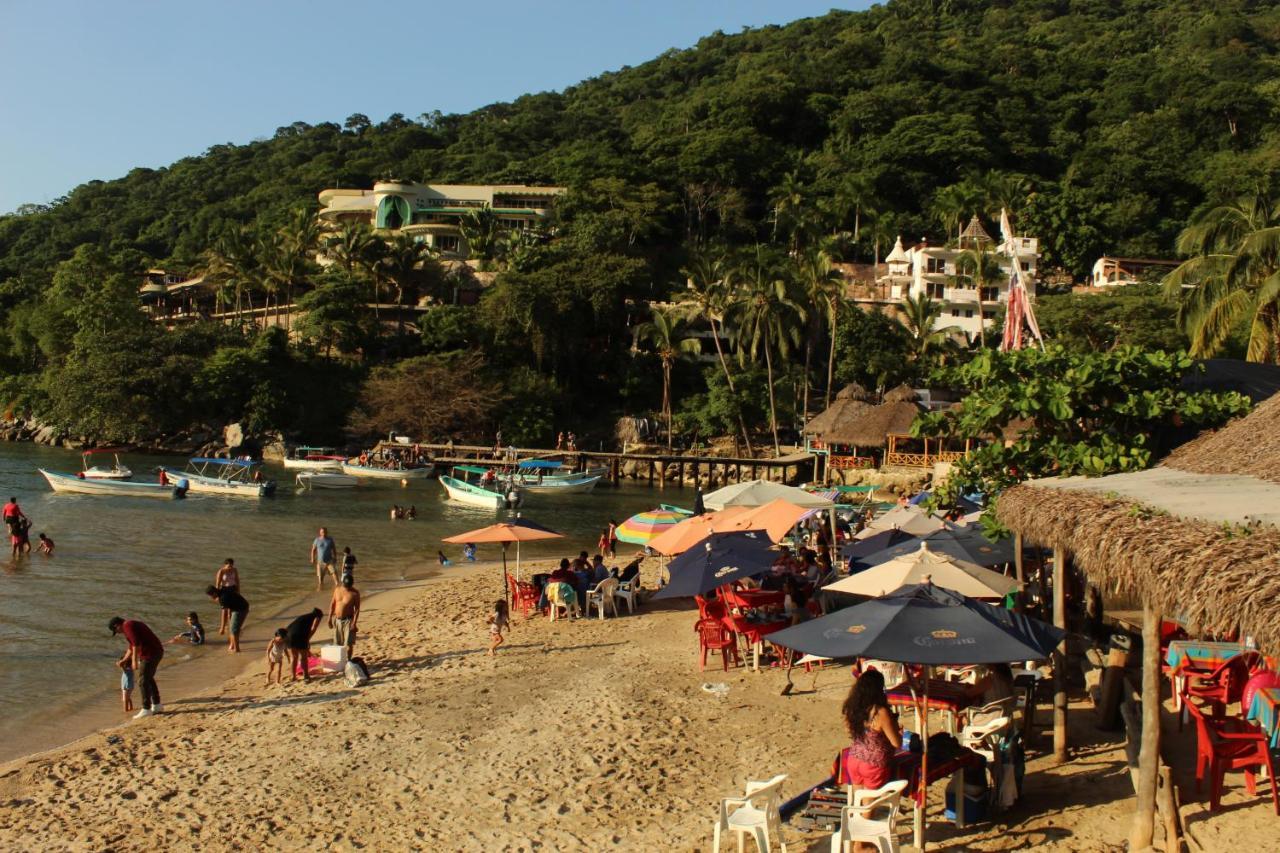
x=666, y=399
x=728, y=378
x=1060, y=657
x=1143, y=830
x=831, y=357
x=808, y=361
x=773, y=408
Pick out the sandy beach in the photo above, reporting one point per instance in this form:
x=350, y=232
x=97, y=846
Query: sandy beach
x=578, y=735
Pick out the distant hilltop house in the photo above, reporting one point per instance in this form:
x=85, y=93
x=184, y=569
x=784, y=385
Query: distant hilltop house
x=433, y=211
x=1111, y=271
x=929, y=270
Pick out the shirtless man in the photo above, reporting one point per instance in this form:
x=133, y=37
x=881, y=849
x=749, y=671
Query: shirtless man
x=227, y=577
x=344, y=612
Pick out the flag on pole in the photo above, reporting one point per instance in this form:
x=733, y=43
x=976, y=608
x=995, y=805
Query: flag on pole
x=1020, y=312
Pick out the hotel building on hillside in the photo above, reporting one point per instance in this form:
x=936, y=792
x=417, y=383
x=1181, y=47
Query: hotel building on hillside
x=432, y=211
x=927, y=270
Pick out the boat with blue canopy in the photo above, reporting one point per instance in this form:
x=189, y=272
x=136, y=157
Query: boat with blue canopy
x=488, y=491
x=235, y=477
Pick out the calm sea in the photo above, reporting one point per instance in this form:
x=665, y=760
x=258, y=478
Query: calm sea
x=151, y=560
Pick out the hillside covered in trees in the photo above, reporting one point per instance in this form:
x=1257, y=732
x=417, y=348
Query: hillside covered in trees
x=1103, y=125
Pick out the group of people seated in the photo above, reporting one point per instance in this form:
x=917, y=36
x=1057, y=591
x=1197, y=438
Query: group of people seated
x=568, y=585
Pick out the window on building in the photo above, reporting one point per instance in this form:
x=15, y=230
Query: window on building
x=1026, y=266
x=988, y=313
x=990, y=294
x=936, y=290
x=955, y=312
x=968, y=313
x=935, y=265
x=447, y=242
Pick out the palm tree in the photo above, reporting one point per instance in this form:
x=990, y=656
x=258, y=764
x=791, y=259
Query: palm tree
x=858, y=192
x=789, y=207
x=822, y=285
x=1003, y=191
x=978, y=267
x=407, y=265
x=920, y=314
x=954, y=203
x=232, y=261
x=286, y=266
x=671, y=342
x=480, y=228
x=766, y=317
x=354, y=248
x=1233, y=273
x=706, y=275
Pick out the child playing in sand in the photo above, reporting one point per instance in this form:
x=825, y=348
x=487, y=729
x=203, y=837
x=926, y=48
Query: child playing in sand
x=194, y=633
x=469, y=552
x=498, y=622
x=46, y=545
x=275, y=656
x=444, y=561
x=126, y=683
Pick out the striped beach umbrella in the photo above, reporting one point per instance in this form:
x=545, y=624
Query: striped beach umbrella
x=643, y=526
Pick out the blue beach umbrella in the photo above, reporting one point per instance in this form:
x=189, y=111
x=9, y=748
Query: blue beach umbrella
x=719, y=559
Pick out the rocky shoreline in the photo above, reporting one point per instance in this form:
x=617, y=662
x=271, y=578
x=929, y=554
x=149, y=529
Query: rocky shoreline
x=226, y=441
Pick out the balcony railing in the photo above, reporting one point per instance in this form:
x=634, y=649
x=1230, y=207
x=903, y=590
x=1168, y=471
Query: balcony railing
x=961, y=294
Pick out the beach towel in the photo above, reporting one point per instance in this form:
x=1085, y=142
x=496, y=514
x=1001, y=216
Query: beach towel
x=562, y=594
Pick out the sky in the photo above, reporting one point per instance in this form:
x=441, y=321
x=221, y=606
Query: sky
x=92, y=89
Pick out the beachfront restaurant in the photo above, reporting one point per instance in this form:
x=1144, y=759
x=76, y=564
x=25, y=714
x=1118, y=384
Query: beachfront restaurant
x=1195, y=545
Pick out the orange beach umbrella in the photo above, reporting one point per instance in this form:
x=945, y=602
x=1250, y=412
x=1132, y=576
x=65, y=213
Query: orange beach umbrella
x=517, y=530
x=681, y=537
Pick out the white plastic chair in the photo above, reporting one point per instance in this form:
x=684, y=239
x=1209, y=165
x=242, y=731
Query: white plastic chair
x=857, y=822
x=556, y=600
x=602, y=594
x=628, y=591
x=974, y=736
x=757, y=813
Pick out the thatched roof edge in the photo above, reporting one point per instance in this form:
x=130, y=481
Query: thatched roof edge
x=870, y=428
x=1249, y=445
x=1216, y=577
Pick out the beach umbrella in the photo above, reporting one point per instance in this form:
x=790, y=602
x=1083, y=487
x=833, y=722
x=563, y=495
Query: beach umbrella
x=924, y=624
x=921, y=564
x=718, y=559
x=692, y=530
x=776, y=518
x=908, y=519
x=517, y=530
x=861, y=549
x=644, y=526
x=962, y=544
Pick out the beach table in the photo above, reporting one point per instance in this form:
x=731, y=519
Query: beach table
x=1265, y=711
x=1196, y=657
x=907, y=766
x=754, y=599
x=950, y=697
x=755, y=632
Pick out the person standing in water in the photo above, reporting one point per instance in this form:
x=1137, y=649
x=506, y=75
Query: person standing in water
x=227, y=577
x=323, y=553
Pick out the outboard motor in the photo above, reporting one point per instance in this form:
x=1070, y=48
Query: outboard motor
x=180, y=488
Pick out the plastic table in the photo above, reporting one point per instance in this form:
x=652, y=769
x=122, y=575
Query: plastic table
x=755, y=632
x=1265, y=711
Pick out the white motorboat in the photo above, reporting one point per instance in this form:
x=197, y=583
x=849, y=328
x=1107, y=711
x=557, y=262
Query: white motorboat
x=326, y=480
x=373, y=472
x=99, y=472
x=77, y=485
x=233, y=477
x=314, y=459
x=498, y=496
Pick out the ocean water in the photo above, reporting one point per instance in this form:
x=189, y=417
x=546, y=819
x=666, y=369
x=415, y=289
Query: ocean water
x=151, y=560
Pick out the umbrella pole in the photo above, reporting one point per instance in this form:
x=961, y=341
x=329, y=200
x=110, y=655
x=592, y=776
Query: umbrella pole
x=506, y=582
x=517, y=561
x=923, y=806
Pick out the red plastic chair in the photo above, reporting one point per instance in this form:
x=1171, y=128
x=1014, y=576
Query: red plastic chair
x=709, y=609
x=1225, y=685
x=525, y=596
x=715, y=637
x=1223, y=745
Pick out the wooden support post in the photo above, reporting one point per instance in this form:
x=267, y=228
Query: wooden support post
x=695, y=472
x=1144, y=818
x=650, y=472
x=739, y=469
x=662, y=474
x=753, y=470
x=680, y=473
x=1060, y=657
x=1017, y=557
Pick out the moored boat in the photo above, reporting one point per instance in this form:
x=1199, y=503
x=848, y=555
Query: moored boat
x=117, y=471
x=575, y=485
x=314, y=459
x=233, y=477
x=77, y=485
x=498, y=496
x=326, y=480
x=373, y=472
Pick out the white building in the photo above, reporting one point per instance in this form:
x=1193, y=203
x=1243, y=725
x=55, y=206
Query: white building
x=930, y=270
x=1111, y=271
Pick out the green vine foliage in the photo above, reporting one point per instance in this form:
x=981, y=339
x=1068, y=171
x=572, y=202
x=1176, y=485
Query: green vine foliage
x=1060, y=413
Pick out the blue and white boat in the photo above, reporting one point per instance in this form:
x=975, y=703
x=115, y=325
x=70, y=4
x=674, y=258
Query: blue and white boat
x=236, y=477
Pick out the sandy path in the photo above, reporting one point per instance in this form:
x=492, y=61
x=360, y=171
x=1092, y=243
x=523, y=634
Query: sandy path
x=579, y=735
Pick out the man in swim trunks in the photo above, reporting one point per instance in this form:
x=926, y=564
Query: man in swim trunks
x=298, y=635
x=344, y=612
x=234, y=603
x=323, y=555
x=145, y=651
x=227, y=577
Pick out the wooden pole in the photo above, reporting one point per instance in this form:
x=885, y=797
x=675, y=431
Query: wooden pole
x=1017, y=557
x=1060, y=657
x=1143, y=830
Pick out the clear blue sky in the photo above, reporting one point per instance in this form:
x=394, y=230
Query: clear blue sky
x=92, y=89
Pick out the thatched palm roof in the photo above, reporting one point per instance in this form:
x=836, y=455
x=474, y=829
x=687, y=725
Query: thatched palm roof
x=902, y=394
x=1198, y=537
x=1248, y=445
x=851, y=401
x=870, y=427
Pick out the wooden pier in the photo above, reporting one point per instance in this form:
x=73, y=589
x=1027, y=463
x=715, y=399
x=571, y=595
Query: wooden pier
x=655, y=468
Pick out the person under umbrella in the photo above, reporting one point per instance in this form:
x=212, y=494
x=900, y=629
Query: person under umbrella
x=929, y=625
x=717, y=560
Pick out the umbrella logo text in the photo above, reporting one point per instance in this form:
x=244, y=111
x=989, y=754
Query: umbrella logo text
x=724, y=570
x=856, y=629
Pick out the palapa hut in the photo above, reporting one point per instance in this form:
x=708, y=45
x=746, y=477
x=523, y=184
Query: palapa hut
x=850, y=402
x=1198, y=536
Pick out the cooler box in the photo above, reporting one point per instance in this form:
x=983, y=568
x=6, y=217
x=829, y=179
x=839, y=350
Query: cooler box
x=333, y=658
x=975, y=805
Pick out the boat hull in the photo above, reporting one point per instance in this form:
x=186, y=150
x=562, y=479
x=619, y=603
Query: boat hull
x=313, y=464
x=385, y=473
x=107, y=474
x=465, y=493
x=326, y=480
x=73, y=485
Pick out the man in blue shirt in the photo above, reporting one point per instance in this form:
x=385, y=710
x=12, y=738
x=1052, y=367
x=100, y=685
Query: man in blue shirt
x=323, y=553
